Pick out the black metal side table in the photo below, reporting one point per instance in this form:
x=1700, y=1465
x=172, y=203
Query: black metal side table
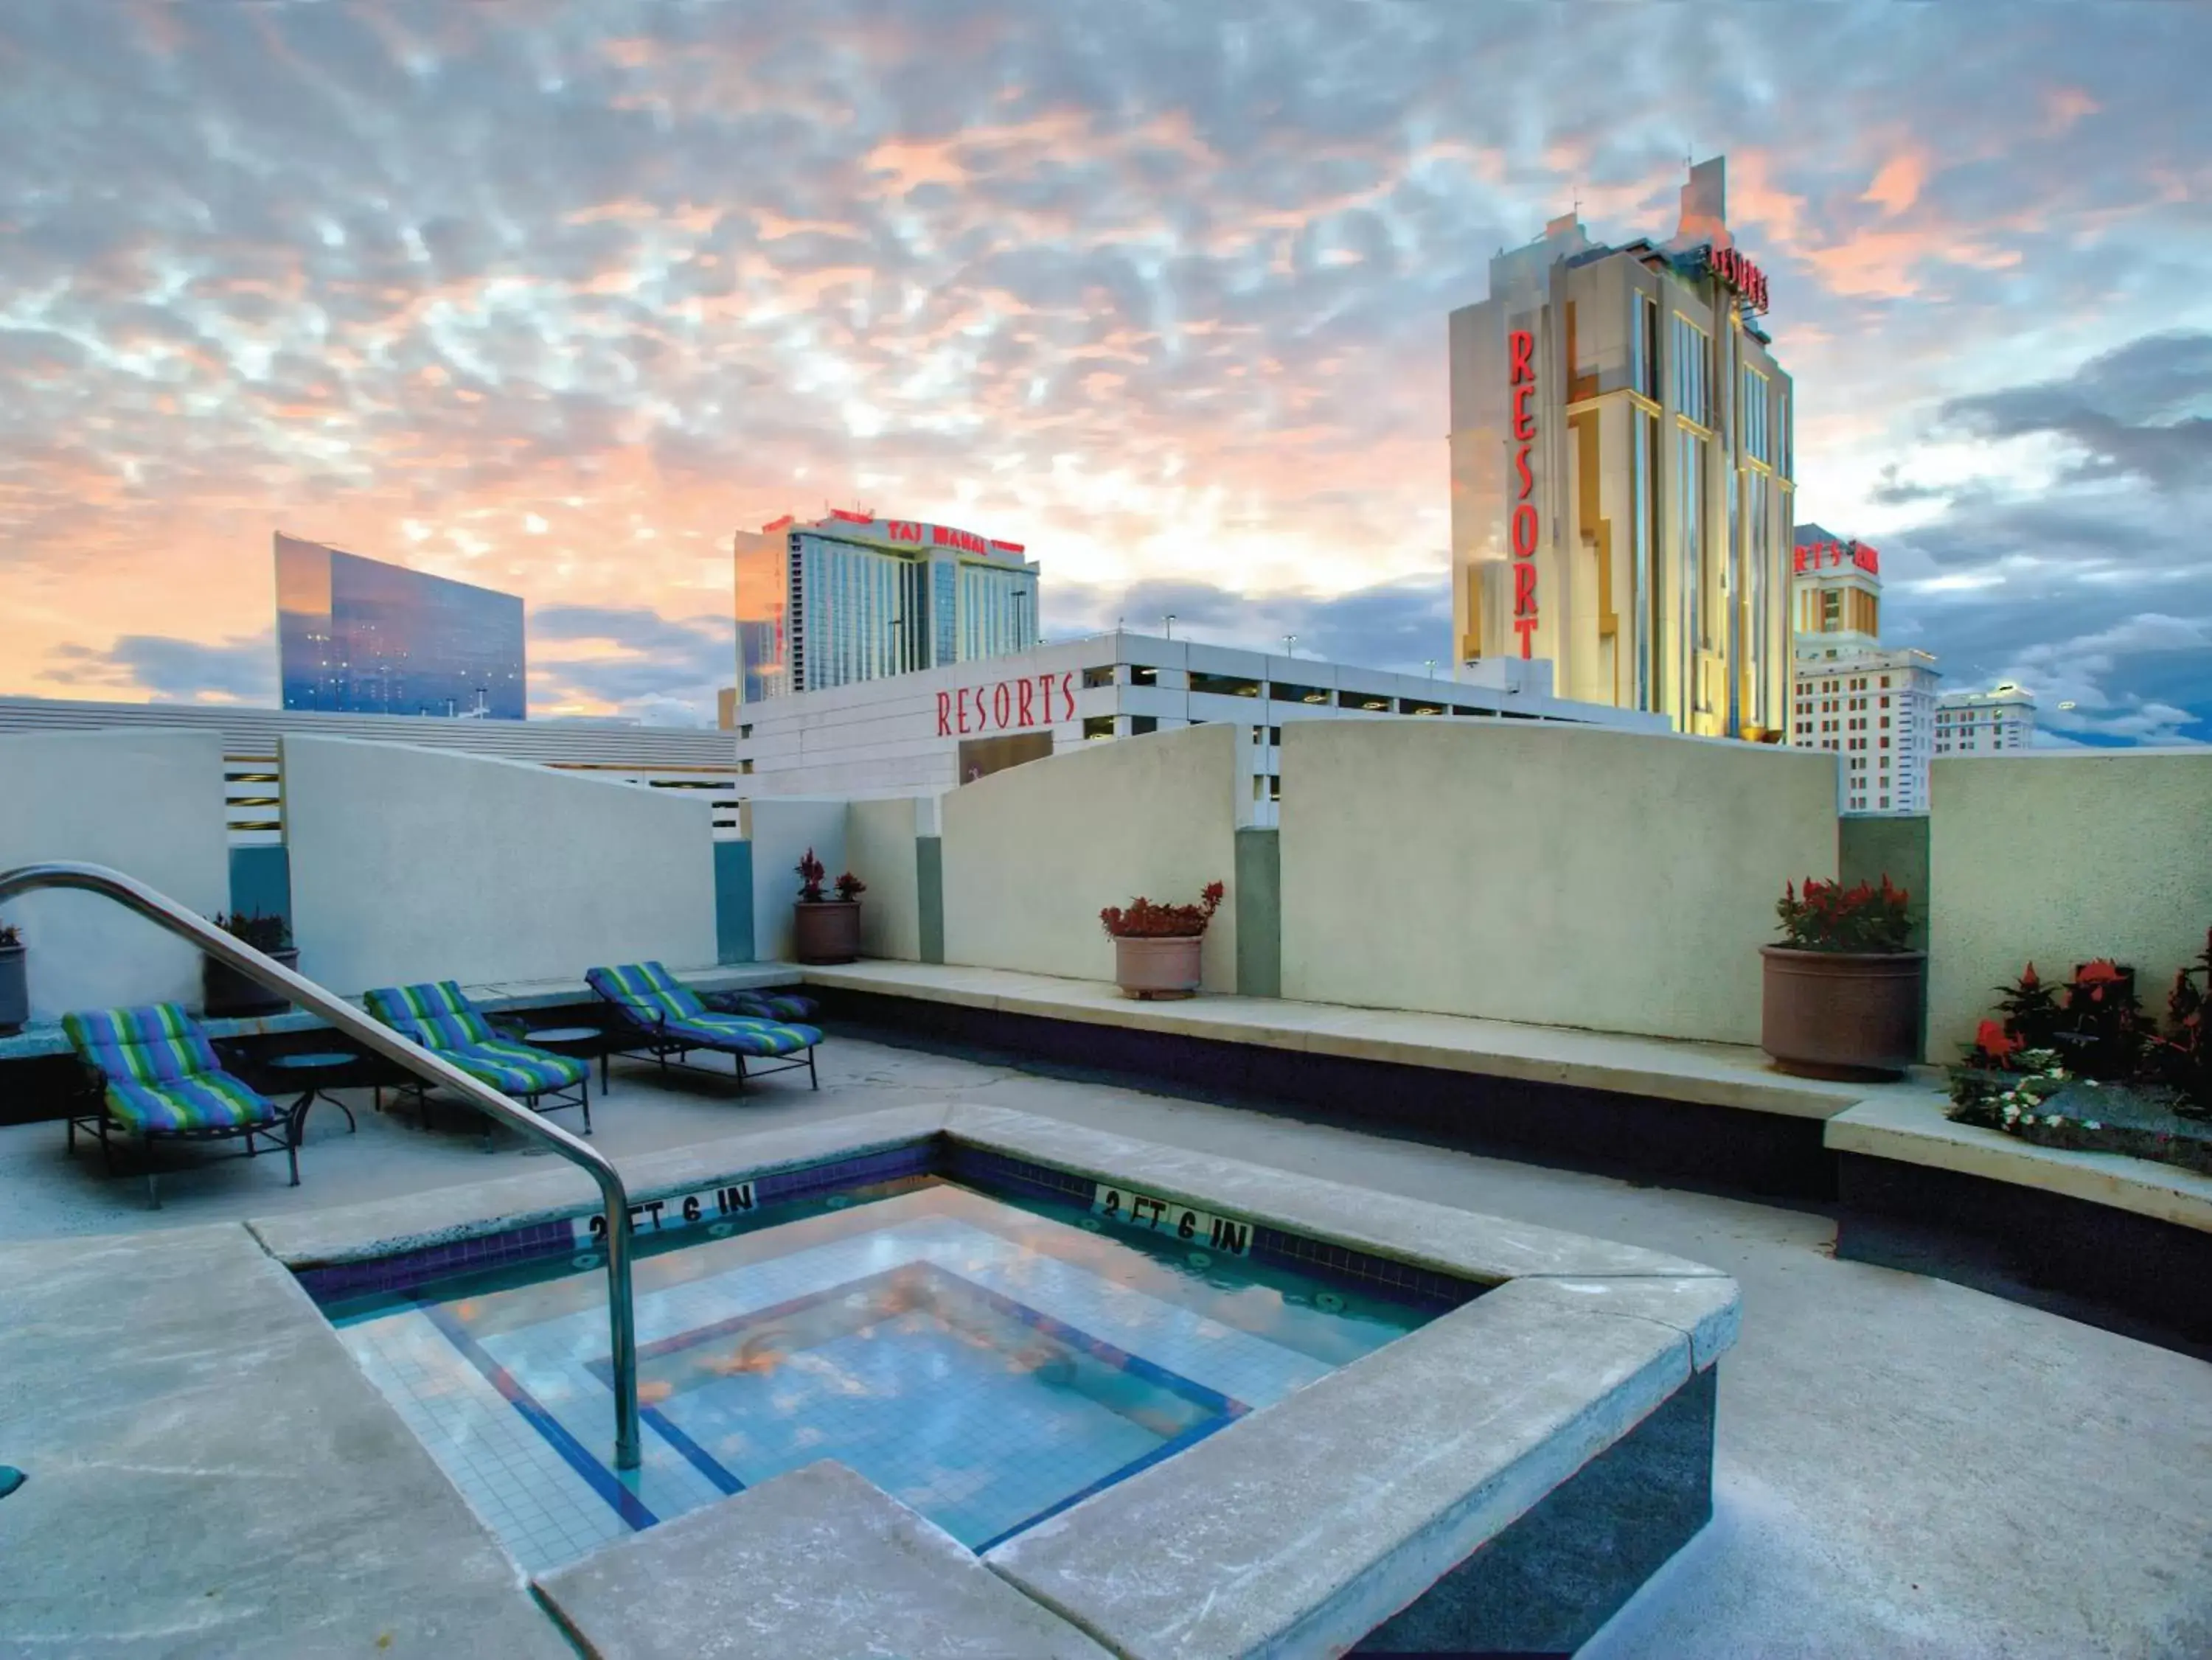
x=317, y=1072
x=583, y=1043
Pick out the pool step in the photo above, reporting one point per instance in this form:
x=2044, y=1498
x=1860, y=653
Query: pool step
x=815, y=1564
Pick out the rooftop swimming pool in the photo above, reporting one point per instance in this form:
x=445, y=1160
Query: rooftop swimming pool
x=990, y=1352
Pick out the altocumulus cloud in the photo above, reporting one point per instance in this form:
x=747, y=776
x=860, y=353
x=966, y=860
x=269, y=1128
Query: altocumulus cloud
x=552, y=297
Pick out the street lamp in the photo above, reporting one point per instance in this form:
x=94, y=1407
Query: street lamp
x=1289, y=645
x=1167, y=623
x=1432, y=663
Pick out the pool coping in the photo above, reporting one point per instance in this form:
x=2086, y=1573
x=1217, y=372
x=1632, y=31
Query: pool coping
x=1447, y=1436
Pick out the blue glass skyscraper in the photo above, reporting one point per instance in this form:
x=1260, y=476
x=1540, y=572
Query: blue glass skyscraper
x=362, y=636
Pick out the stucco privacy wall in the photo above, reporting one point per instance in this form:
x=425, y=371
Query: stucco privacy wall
x=147, y=803
x=2059, y=859
x=1559, y=874
x=781, y=828
x=879, y=847
x=1031, y=854
x=423, y=864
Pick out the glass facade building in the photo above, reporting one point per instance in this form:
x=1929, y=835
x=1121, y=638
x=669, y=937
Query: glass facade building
x=1621, y=484
x=358, y=636
x=855, y=597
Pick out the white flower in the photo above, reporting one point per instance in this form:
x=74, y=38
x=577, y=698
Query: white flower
x=2052, y=1118
x=2091, y=1124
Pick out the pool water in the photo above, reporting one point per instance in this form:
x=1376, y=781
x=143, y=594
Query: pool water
x=986, y=1361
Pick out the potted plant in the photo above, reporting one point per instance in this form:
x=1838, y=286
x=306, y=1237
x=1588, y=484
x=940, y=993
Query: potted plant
x=225, y=993
x=14, y=982
x=1843, y=998
x=823, y=930
x=1156, y=947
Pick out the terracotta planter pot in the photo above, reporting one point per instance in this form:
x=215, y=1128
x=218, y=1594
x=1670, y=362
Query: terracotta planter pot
x=1157, y=967
x=226, y=994
x=825, y=932
x=15, y=988
x=1844, y=1014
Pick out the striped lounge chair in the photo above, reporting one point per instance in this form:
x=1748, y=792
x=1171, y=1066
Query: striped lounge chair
x=672, y=1021
x=442, y=1021
x=160, y=1078
x=761, y=1004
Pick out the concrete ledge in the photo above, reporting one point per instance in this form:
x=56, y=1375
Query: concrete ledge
x=1911, y=1128
x=44, y=1037
x=1372, y=1483
x=1717, y=1075
x=1464, y=1242
x=392, y=1227
x=211, y=1473
x=816, y=1564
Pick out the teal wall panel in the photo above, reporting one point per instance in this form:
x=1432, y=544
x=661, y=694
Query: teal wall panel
x=733, y=902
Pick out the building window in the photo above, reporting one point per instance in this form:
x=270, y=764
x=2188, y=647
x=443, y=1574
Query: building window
x=1644, y=345
x=1139, y=724
x=1692, y=374
x=1097, y=726
x=1752, y=417
x=1642, y=447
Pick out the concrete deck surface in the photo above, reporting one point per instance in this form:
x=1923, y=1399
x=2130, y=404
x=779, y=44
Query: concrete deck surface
x=1906, y=1468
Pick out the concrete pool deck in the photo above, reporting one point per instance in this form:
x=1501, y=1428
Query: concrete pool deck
x=1903, y=1466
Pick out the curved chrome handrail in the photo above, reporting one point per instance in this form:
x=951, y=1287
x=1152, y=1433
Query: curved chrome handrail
x=233, y=953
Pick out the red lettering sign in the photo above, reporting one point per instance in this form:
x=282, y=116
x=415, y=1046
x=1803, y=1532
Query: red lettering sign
x=1740, y=275
x=1520, y=344
x=1524, y=591
x=1524, y=531
x=1006, y=705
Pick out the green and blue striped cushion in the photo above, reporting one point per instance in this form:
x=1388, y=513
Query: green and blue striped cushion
x=764, y=1005
x=161, y=1075
x=439, y=1016
x=434, y=1014
x=653, y=999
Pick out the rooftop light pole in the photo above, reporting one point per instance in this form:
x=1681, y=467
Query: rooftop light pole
x=1167, y=623
x=893, y=624
x=1289, y=645
x=1432, y=663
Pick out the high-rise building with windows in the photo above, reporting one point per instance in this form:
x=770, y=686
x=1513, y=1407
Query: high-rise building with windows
x=1622, y=474
x=1985, y=723
x=853, y=598
x=359, y=636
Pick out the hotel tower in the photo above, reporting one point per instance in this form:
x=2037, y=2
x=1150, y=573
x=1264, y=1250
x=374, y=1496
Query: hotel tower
x=1622, y=475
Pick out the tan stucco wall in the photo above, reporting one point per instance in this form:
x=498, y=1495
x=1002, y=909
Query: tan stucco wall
x=879, y=850
x=1031, y=854
x=1559, y=875
x=2058, y=858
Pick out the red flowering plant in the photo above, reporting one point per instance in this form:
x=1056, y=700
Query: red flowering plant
x=1146, y=920
x=1829, y=917
x=810, y=870
x=2183, y=1054
x=2084, y=1066
x=2102, y=1029
x=850, y=888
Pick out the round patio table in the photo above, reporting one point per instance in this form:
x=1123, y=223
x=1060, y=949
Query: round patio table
x=313, y=1070
x=582, y=1043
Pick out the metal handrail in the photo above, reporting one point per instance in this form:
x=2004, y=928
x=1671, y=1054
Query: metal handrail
x=233, y=953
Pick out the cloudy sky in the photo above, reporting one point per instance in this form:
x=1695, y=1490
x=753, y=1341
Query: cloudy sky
x=551, y=297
